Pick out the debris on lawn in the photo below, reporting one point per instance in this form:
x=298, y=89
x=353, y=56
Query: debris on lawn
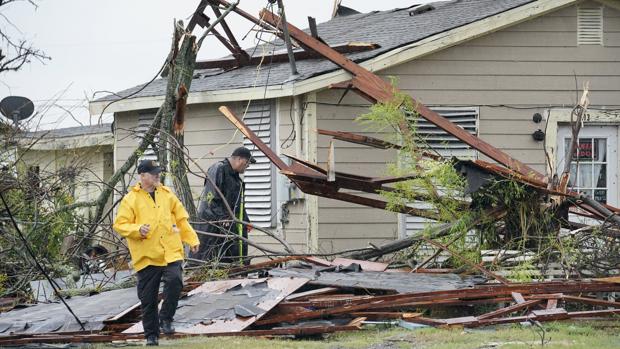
x=302, y=297
x=522, y=221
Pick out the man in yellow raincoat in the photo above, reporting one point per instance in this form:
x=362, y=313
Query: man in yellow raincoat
x=155, y=224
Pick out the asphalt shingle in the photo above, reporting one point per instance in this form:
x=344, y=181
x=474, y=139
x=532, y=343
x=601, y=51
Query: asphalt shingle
x=390, y=29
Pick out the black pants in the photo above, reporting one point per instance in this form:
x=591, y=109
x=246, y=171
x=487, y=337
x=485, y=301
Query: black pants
x=149, y=279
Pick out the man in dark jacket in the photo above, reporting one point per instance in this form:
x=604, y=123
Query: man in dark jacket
x=212, y=210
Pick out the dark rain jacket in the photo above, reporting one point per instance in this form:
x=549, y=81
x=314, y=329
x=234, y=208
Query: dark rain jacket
x=212, y=208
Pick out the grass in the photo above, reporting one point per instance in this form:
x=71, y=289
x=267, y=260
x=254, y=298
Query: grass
x=585, y=335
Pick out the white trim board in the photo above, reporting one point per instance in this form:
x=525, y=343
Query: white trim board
x=556, y=116
x=394, y=57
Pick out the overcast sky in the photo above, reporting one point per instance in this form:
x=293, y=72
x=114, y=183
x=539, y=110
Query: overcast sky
x=110, y=45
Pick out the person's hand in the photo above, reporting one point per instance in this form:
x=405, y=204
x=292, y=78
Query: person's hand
x=144, y=230
x=249, y=227
x=194, y=249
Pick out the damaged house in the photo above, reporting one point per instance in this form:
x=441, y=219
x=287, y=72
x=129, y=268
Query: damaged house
x=499, y=81
x=508, y=71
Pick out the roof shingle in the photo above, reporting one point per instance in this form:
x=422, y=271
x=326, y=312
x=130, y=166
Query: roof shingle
x=390, y=29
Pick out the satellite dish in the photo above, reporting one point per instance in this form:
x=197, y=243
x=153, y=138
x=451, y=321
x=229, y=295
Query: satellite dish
x=16, y=108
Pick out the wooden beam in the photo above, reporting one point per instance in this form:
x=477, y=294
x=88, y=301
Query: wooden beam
x=279, y=57
x=510, y=309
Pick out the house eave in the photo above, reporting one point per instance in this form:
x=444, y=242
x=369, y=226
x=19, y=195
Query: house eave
x=73, y=142
x=389, y=59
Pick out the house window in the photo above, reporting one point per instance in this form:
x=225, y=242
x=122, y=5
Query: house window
x=260, y=177
x=590, y=25
x=594, y=162
x=588, y=169
x=447, y=146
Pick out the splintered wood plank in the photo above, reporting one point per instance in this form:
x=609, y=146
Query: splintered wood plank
x=121, y=314
x=318, y=261
x=317, y=292
x=384, y=315
x=509, y=309
x=285, y=286
x=465, y=320
x=550, y=314
x=612, y=279
x=518, y=297
x=552, y=303
x=592, y=301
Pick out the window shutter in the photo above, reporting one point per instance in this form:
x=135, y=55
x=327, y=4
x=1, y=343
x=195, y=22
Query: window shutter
x=446, y=145
x=259, y=177
x=590, y=25
x=144, y=122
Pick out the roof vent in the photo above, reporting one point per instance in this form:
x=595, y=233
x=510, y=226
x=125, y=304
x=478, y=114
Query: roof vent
x=590, y=25
x=421, y=9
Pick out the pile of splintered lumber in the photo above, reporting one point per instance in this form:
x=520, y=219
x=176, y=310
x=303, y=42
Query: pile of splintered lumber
x=274, y=299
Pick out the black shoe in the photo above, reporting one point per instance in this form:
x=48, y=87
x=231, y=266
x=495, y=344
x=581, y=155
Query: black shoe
x=152, y=341
x=166, y=327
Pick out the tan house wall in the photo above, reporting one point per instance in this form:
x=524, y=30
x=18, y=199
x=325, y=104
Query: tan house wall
x=90, y=162
x=343, y=225
x=509, y=75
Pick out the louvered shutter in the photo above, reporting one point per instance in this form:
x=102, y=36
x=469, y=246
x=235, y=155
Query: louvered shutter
x=590, y=25
x=259, y=177
x=145, y=119
x=446, y=145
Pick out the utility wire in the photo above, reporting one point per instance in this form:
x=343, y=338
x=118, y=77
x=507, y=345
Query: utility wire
x=34, y=258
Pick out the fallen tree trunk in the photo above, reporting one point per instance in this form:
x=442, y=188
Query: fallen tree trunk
x=171, y=154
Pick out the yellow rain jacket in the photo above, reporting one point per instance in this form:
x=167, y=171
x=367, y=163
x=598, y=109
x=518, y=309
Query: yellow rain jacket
x=162, y=245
